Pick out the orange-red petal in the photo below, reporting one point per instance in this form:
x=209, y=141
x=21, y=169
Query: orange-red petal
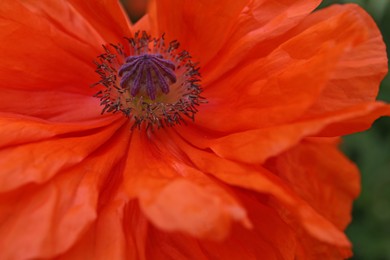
x=42, y=52
x=287, y=82
x=255, y=146
x=270, y=238
x=106, y=16
x=119, y=232
x=329, y=182
x=51, y=105
x=153, y=175
x=257, y=31
x=38, y=161
x=358, y=74
x=201, y=27
x=268, y=92
x=38, y=55
x=44, y=220
x=260, y=180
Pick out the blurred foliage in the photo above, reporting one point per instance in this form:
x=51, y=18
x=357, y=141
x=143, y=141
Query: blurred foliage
x=370, y=227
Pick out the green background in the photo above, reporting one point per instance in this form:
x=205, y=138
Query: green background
x=370, y=228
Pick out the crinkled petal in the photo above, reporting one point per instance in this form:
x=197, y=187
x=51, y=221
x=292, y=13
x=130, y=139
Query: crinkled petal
x=284, y=85
x=43, y=154
x=41, y=221
x=259, y=179
x=268, y=92
x=119, y=232
x=47, y=65
x=45, y=221
x=42, y=52
x=107, y=17
x=156, y=176
x=136, y=231
x=353, y=119
x=195, y=23
x=91, y=22
x=21, y=129
x=329, y=182
x=309, y=248
x=37, y=54
x=51, y=105
x=256, y=146
x=358, y=74
x=258, y=30
x=197, y=211
x=270, y=238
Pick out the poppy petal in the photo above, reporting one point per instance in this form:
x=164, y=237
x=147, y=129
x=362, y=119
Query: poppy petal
x=48, y=61
x=197, y=211
x=60, y=211
x=257, y=32
x=270, y=238
x=309, y=248
x=54, y=15
x=88, y=21
x=329, y=182
x=34, y=58
x=204, y=210
x=56, y=218
x=136, y=231
x=279, y=88
x=180, y=19
x=357, y=76
x=259, y=179
x=105, y=238
x=55, y=106
x=256, y=146
x=14, y=127
x=39, y=161
x=107, y=17
x=268, y=92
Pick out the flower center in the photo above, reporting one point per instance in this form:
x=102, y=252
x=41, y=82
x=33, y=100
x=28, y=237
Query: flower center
x=148, y=70
x=152, y=84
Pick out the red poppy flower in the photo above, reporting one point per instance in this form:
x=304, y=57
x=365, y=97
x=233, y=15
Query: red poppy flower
x=256, y=175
